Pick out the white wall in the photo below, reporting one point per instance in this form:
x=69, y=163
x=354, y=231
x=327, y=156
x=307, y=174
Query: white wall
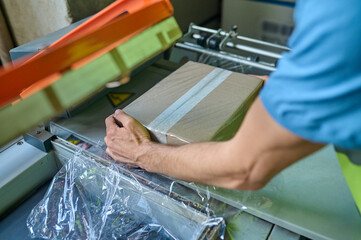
x=31, y=19
x=5, y=41
x=197, y=11
x=250, y=17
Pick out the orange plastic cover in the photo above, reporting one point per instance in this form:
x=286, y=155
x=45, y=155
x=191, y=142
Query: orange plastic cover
x=105, y=30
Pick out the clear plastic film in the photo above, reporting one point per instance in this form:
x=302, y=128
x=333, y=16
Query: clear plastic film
x=93, y=197
x=231, y=65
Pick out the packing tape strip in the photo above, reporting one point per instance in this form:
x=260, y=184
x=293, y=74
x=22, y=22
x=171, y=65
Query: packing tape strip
x=176, y=111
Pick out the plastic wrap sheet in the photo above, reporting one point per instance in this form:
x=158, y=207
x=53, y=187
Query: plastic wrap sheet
x=230, y=65
x=94, y=198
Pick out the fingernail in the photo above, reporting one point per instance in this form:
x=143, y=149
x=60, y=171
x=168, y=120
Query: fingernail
x=117, y=111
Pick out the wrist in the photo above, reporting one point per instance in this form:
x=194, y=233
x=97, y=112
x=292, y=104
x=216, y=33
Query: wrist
x=142, y=156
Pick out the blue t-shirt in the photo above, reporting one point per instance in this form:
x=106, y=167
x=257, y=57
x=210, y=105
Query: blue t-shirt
x=316, y=90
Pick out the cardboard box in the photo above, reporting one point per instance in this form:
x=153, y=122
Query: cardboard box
x=196, y=103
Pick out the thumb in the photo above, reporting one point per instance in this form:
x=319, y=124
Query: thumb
x=122, y=118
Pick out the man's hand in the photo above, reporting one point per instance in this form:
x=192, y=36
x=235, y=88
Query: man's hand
x=125, y=144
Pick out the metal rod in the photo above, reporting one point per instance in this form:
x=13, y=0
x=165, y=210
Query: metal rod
x=247, y=48
x=223, y=33
x=254, y=50
x=224, y=55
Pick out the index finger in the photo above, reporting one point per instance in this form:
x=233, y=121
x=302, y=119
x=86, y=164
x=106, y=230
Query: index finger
x=110, y=124
x=109, y=121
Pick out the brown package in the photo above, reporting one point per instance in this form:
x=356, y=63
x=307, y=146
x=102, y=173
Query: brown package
x=196, y=103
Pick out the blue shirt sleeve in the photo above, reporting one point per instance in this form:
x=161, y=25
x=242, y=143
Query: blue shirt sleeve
x=316, y=90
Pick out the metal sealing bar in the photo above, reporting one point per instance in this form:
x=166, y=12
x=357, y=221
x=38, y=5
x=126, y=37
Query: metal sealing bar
x=226, y=56
x=254, y=50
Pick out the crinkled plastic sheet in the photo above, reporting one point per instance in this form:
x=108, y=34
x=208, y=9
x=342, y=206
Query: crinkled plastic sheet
x=94, y=198
x=230, y=65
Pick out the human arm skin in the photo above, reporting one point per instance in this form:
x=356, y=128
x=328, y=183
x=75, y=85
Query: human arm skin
x=263, y=77
x=261, y=149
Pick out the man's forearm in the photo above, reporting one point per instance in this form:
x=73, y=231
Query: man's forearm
x=208, y=163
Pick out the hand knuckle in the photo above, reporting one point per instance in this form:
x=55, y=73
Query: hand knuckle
x=107, y=151
x=126, y=121
x=130, y=121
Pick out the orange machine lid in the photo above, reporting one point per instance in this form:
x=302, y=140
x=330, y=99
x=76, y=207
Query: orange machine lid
x=107, y=29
